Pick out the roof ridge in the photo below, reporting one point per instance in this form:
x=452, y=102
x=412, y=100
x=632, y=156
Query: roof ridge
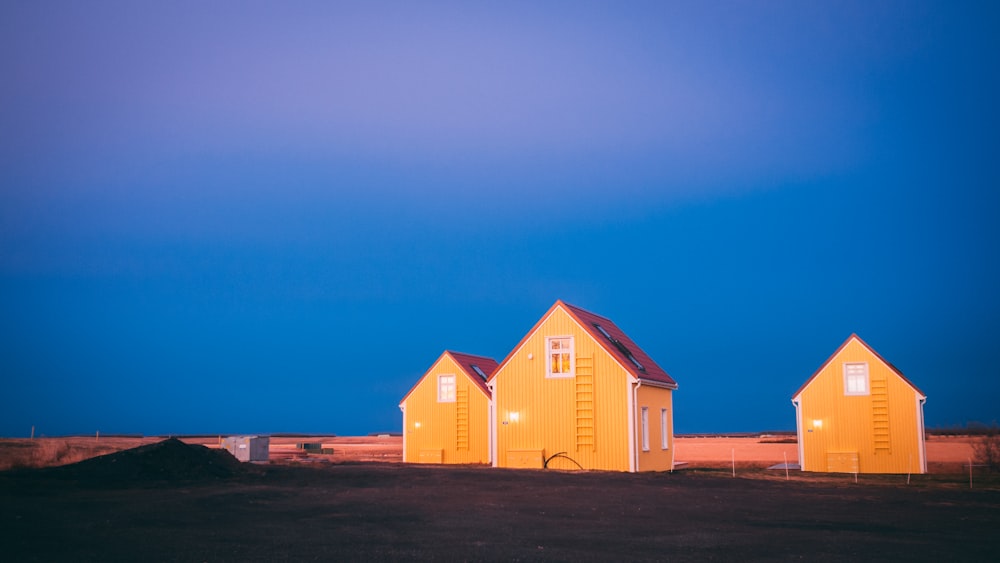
x=854, y=336
x=578, y=308
x=456, y=353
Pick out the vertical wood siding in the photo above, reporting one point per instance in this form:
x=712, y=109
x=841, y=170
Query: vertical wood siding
x=657, y=458
x=881, y=427
x=547, y=407
x=439, y=422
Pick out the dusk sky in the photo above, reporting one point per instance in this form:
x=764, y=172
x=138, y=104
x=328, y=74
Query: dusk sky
x=263, y=217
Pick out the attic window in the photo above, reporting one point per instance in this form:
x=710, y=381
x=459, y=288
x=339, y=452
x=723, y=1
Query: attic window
x=561, y=359
x=856, y=378
x=478, y=371
x=446, y=388
x=621, y=348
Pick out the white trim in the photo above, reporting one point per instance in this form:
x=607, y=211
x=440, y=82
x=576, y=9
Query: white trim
x=460, y=369
x=524, y=341
x=665, y=428
x=489, y=437
x=454, y=387
x=613, y=357
x=671, y=421
x=797, y=401
x=846, y=379
x=922, y=449
x=875, y=356
x=827, y=363
x=493, y=424
x=631, y=394
x=549, y=353
x=402, y=407
x=630, y=381
x=658, y=384
x=644, y=425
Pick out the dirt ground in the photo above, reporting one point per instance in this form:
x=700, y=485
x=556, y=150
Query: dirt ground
x=391, y=511
x=177, y=501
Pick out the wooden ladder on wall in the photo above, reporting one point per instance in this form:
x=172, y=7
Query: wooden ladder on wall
x=880, y=414
x=585, y=438
x=462, y=418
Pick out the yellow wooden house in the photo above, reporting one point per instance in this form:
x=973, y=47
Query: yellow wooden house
x=859, y=414
x=446, y=413
x=577, y=393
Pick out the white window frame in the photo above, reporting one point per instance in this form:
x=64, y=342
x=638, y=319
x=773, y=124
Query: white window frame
x=664, y=442
x=645, y=429
x=549, y=353
x=851, y=379
x=446, y=390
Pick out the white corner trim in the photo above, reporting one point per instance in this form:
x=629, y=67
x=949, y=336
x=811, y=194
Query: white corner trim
x=921, y=442
x=798, y=431
x=632, y=394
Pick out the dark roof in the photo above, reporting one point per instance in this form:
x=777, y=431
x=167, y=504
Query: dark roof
x=468, y=363
x=619, y=345
x=870, y=349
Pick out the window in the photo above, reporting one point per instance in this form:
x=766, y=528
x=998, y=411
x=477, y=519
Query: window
x=562, y=362
x=856, y=378
x=604, y=332
x=645, y=429
x=446, y=388
x=664, y=442
x=479, y=372
x=621, y=347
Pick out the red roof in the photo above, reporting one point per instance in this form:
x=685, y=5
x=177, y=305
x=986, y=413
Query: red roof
x=468, y=363
x=619, y=345
x=870, y=349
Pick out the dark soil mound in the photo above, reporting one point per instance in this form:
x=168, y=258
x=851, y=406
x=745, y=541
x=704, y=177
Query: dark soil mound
x=169, y=460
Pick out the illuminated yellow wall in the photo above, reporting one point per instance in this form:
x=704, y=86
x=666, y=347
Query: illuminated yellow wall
x=832, y=426
x=431, y=429
x=539, y=414
x=657, y=400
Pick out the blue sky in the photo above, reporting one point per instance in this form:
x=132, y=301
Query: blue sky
x=273, y=217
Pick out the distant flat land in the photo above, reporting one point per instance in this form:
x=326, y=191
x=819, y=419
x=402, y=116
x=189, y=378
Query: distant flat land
x=945, y=454
x=178, y=501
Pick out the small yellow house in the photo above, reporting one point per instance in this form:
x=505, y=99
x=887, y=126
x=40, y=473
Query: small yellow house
x=577, y=393
x=859, y=414
x=446, y=413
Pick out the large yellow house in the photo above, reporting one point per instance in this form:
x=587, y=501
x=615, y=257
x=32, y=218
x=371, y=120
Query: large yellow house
x=577, y=393
x=446, y=413
x=859, y=414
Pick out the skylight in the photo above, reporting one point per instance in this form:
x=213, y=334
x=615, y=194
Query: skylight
x=635, y=362
x=478, y=371
x=604, y=332
x=621, y=348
